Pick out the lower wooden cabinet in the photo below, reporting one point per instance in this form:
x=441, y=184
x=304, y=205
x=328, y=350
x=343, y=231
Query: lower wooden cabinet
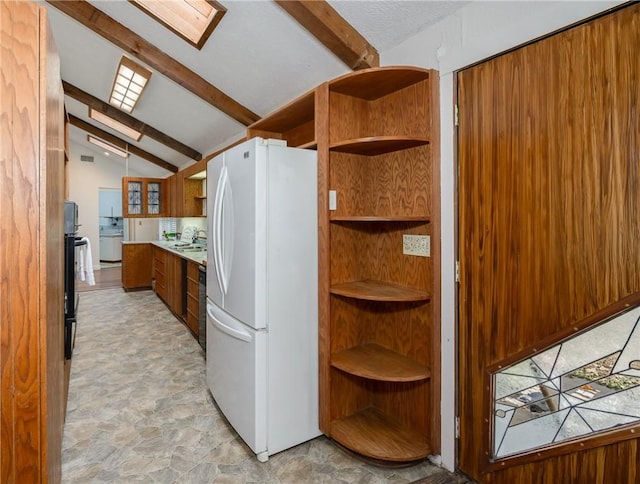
x=192, y=297
x=160, y=272
x=137, y=266
x=176, y=272
x=176, y=283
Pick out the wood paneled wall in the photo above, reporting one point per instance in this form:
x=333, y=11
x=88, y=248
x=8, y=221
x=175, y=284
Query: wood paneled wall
x=549, y=159
x=31, y=252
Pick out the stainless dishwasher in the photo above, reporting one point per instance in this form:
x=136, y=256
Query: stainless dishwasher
x=202, y=307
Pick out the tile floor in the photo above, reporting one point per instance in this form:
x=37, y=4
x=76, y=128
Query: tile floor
x=139, y=411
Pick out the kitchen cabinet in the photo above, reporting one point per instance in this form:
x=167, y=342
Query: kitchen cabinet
x=294, y=123
x=137, y=265
x=172, y=195
x=176, y=282
x=110, y=248
x=376, y=136
x=195, y=198
x=159, y=282
x=169, y=274
x=176, y=275
x=144, y=197
x=193, y=298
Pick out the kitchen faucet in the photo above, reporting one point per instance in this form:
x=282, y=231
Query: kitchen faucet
x=196, y=235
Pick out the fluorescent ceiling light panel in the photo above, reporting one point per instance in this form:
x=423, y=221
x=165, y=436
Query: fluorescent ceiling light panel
x=113, y=124
x=107, y=146
x=193, y=20
x=128, y=85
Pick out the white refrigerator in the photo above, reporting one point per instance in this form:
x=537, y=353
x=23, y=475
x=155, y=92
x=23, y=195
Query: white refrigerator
x=262, y=301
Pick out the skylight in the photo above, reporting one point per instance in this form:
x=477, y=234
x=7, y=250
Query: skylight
x=193, y=20
x=128, y=85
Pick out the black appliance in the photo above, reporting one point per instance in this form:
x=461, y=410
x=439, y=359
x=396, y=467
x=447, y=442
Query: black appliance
x=202, y=307
x=71, y=241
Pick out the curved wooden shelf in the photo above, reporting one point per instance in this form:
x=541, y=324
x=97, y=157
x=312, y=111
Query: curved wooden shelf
x=377, y=145
x=377, y=82
x=311, y=145
x=375, y=218
x=297, y=112
x=378, y=291
x=373, y=434
x=375, y=362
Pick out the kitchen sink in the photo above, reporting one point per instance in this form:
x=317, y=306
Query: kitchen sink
x=191, y=248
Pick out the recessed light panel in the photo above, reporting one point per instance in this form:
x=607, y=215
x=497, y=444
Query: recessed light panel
x=113, y=124
x=128, y=85
x=107, y=146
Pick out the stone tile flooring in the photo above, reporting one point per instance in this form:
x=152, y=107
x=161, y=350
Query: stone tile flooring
x=139, y=410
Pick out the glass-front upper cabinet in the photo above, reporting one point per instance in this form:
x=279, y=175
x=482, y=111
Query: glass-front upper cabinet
x=144, y=197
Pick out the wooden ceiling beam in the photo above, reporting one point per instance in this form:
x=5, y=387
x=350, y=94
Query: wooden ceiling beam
x=119, y=35
x=120, y=143
x=128, y=120
x=333, y=31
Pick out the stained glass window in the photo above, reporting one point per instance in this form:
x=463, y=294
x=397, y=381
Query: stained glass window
x=586, y=384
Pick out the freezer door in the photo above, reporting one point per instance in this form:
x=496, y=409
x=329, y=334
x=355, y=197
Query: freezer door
x=237, y=375
x=244, y=230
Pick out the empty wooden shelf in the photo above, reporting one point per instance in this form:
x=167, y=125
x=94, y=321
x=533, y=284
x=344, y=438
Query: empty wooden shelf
x=378, y=145
x=372, y=433
x=378, y=363
x=378, y=291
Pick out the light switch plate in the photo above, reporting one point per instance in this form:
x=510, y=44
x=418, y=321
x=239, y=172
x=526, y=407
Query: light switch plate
x=419, y=245
x=333, y=200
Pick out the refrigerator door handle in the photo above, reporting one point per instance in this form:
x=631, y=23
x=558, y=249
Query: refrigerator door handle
x=217, y=220
x=236, y=333
x=222, y=246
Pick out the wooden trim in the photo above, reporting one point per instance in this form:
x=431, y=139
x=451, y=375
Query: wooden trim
x=120, y=143
x=436, y=261
x=334, y=32
x=128, y=120
x=132, y=43
x=324, y=257
x=31, y=299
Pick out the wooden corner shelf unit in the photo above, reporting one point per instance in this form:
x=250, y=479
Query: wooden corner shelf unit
x=376, y=135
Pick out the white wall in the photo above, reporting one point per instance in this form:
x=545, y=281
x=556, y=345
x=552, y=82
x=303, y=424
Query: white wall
x=85, y=180
x=477, y=31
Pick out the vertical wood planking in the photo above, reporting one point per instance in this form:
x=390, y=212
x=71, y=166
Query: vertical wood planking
x=20, y=349
x=32, y=398
x=51, y=252
x=549, y=150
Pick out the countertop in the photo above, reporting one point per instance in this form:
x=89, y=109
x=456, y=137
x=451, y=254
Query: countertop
x=199, y=257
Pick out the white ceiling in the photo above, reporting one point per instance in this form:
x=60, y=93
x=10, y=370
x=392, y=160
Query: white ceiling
x=258, y=55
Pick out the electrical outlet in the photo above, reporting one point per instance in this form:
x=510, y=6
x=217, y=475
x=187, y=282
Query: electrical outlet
x=419, y=245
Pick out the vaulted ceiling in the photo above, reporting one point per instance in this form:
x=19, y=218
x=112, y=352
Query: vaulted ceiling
x=260, y=56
